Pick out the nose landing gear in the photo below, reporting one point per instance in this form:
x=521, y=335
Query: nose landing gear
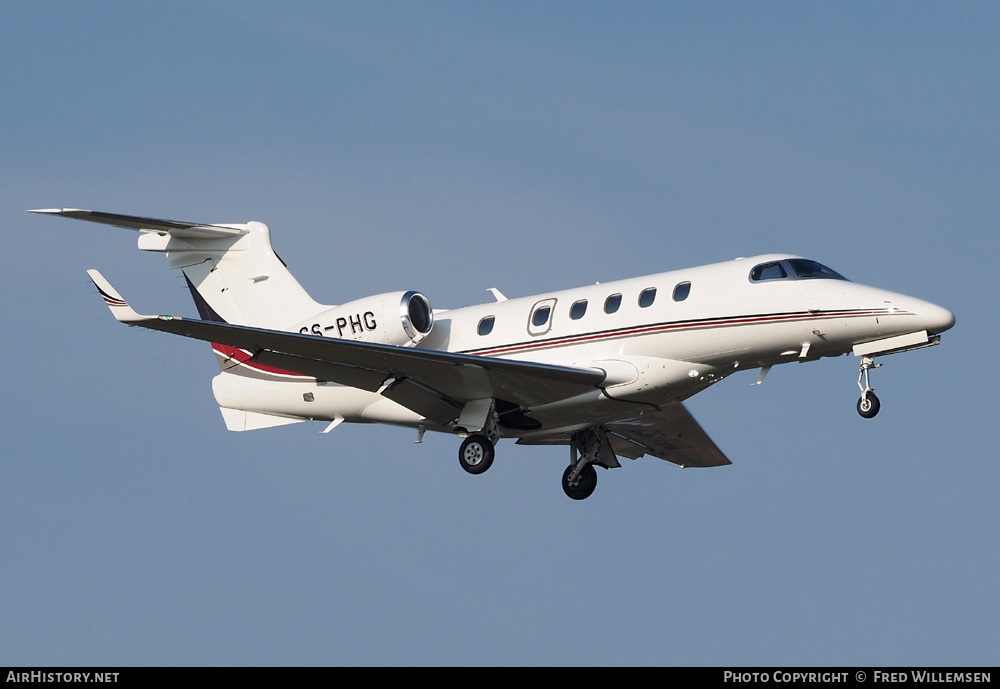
x=868, y=405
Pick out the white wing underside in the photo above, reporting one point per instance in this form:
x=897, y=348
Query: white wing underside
x=669, y=433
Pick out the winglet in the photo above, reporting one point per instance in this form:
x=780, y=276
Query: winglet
x=119, y=307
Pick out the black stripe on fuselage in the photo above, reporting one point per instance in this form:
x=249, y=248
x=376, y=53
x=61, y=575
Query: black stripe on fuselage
x=666, y=326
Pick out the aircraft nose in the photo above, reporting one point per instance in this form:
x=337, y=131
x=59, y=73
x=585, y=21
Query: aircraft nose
x=936, y=318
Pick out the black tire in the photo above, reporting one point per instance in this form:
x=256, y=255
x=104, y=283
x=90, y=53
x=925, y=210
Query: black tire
x=586, y=482
x=868, y=405
x=476, y=454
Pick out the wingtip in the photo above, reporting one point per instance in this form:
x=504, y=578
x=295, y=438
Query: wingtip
x=119, y=307
x=57, y=211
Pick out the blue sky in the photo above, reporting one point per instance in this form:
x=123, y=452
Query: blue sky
x=452, y=147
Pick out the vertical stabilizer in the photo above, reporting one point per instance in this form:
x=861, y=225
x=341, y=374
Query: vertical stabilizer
x=231, y=266
x=234, y=277
x=241, y=280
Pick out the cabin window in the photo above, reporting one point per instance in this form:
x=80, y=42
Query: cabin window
x=486, y=325
x=577, y=310
x=541, y=316
x=810, y=270
x=540, y=320
x=612, y=303
x=681, y=291
x=768, y=271
x=647, y=296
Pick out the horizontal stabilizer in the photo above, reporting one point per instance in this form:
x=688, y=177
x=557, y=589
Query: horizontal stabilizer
x=175, y=228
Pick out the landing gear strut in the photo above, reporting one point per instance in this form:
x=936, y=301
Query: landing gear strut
x=580, y=478
x=868, y=405
x=479, y=422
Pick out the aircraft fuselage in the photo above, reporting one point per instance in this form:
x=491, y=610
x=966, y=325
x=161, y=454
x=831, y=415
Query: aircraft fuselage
x=602, y=369
x=659, y=339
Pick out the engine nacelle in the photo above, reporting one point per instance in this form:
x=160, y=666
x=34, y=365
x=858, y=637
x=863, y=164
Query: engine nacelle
x=398, y=318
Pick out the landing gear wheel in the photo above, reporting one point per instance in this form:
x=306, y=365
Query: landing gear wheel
x=476, y=454
x=584, y=485
x=868, y=405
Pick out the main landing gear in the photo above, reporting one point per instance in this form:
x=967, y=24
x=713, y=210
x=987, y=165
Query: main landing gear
x=476, y=454
x=868, y=405
x=580, y=478
x=480, y=423
x=588, y=449
x=579, y=484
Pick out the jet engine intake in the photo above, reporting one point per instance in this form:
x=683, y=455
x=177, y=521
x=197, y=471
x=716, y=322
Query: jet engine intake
x=397, y=318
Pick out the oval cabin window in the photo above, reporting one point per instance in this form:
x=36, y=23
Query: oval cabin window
x=646, y=297
x=540, y=320
x=541, y=316
x=612, y=303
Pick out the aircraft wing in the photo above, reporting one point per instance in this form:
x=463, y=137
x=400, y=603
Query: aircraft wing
x=669, y=433
x=175, y=228
x=433, y=383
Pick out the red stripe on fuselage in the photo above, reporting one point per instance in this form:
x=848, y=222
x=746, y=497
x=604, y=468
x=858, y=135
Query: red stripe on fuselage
x=241, y=356
x=680, y=325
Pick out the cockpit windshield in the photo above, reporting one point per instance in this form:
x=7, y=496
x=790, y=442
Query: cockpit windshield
x=793, y=269
x=807, y=270
x=768, y=271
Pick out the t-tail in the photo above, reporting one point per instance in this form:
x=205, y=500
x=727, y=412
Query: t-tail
x=235, y=277
x=233, y=273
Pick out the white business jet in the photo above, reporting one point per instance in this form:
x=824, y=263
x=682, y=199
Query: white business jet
x=603, y=369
